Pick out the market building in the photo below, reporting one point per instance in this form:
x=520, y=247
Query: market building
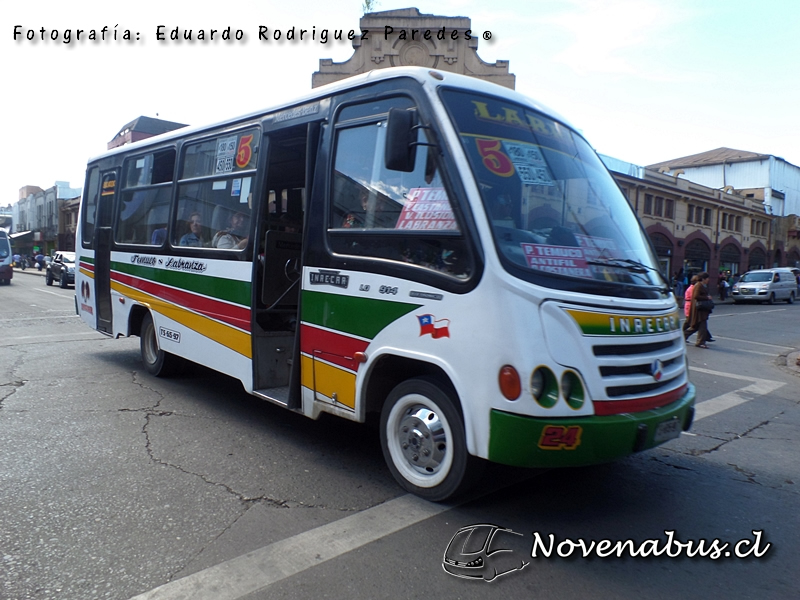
x=142, y=128
x=697, y=228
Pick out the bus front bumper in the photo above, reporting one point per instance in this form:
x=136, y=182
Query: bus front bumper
x=525, y=441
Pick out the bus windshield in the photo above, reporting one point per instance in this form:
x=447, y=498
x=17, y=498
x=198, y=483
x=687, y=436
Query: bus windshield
x=5, y=247
x=558, y=218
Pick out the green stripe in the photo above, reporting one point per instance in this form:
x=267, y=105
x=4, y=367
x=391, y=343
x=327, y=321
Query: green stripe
x=364, y=317
x=86, y=259
x=229, y=290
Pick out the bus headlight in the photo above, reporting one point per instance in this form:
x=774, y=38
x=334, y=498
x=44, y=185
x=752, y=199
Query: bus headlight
x=544, y=387
x=572, y=390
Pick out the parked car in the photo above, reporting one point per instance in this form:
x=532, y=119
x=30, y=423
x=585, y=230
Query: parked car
x=766, y=285
x=61, y=269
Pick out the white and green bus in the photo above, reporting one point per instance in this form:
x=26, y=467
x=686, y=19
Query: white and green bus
x=414, y=244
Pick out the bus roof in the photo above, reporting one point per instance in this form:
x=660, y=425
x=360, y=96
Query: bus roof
x=429, y=77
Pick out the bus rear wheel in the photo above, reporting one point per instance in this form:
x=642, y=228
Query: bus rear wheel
x=423, y=440
x=156, y=362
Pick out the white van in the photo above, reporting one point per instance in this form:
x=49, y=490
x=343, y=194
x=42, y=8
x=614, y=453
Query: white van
x=766, y=285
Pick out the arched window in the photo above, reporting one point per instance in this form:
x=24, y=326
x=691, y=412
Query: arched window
x=696, y=257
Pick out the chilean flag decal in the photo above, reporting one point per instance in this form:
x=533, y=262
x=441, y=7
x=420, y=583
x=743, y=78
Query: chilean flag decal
x=437, y=329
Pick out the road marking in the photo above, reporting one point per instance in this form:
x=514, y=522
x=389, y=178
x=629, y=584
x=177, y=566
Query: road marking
x=754, y=343
x=54, y=294
x=54, y=337
x=738, y=314
x=754, y=352
x=69, y=315
x=262, y=567
x=758, y=387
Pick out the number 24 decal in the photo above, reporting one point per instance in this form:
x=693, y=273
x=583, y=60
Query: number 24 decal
x=494, y=158
x=558, y=437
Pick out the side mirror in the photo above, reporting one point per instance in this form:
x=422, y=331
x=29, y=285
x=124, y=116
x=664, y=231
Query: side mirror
x=400, y=152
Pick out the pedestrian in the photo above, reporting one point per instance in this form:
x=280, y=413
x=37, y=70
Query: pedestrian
x=687, y=304
x=679, y=286
x=722, y=287
x=701, y=306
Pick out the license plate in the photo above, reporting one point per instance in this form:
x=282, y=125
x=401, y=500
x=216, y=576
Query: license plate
x=667, y=430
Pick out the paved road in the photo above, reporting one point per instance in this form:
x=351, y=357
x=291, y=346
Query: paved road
x=118, y=485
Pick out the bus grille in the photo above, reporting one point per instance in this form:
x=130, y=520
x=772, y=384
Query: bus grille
x=631, y=370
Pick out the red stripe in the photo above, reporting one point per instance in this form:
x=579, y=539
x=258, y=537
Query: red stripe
x=220, y=311
x=333, y=347
x=616, y=407
x=87, y=266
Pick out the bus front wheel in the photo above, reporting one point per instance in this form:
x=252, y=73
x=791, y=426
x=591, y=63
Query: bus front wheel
x=157, y=362
x=423, y=440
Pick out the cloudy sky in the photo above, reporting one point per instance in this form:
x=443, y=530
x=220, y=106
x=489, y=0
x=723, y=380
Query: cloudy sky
x=644, y=80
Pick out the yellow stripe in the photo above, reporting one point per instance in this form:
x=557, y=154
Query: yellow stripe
x=307, y=371
x=87, y=273
x=228, y=336
x=332, y=380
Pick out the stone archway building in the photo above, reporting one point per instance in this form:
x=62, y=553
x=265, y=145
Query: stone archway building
x=406, y=38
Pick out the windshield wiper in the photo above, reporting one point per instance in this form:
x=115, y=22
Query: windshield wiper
x=623, y=263
x=633, y=266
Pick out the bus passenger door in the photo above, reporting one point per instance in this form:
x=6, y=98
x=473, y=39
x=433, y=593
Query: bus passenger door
x=276, y=330
x=102, y=255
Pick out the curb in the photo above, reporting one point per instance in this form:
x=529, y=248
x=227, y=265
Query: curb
x=30, y=271
x=793, y=361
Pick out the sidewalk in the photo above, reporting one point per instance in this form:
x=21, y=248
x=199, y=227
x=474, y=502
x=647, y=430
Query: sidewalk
x=30, y=271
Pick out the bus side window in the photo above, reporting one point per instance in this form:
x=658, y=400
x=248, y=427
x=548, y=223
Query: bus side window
x=142, y=214
x=89, y=212
x=147, y=189
x=216, y=180
x=390, y=214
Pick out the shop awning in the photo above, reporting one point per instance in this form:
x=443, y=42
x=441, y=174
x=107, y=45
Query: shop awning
x=14, y=236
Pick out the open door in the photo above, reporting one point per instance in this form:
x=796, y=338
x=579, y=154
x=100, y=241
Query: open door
x=102, y=255
x=276, y=330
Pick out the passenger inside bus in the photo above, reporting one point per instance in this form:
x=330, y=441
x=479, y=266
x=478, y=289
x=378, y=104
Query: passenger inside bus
x=356, y=219
x=158, y=237
x=502, y=214
x=234, y=236
x=194, y=237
